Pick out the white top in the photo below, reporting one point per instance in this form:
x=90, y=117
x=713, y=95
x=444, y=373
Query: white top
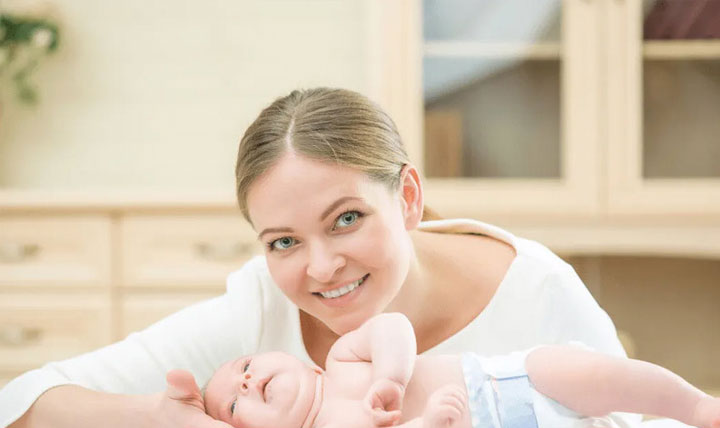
x=541, y=300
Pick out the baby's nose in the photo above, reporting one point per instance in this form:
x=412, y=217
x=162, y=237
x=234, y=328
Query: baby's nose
x=245, y=383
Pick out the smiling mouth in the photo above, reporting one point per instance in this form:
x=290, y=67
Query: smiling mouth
x=345, y=289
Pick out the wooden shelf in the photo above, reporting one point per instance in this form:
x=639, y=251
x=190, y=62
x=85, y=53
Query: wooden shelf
x=485, y=50
x=681, y=49
x=603, y=237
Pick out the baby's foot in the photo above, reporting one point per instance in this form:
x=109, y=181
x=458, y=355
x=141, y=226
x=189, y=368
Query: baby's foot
x=707, y=413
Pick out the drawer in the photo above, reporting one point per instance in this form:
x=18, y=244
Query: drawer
x=172, y=251
x=140, y=310
x=55, y=251
x=37, y=328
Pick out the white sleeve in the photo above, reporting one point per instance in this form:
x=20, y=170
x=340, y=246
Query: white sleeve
x=197, y=339
x=575, y=316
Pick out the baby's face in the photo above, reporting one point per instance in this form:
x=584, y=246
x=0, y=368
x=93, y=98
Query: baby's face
x=270, y=389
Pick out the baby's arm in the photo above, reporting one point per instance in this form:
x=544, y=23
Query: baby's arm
x=385, y=340
x=595, y=384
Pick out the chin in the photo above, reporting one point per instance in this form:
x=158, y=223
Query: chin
x=350, y=322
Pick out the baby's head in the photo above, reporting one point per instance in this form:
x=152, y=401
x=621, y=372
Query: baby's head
x=270, y=389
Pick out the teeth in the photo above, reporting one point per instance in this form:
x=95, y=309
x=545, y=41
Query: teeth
x=345, y=289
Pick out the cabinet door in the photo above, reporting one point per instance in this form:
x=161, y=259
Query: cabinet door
x=664, y=104
x=510, y=106
x=54, y=251
x=39, y=327
x=191, y=251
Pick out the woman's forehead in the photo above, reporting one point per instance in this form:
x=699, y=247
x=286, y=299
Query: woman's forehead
x=293, y=172
x=283, y=195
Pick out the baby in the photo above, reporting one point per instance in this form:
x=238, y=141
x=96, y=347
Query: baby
x=374, y=378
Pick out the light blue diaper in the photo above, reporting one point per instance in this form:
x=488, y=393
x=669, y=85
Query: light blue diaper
x=500, y=395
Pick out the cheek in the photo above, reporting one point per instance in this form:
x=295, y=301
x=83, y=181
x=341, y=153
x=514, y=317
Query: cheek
x=380, y=245
x=287, y=272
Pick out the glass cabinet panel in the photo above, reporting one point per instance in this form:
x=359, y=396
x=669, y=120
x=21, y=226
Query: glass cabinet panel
x=681, y=89
x=492, y=88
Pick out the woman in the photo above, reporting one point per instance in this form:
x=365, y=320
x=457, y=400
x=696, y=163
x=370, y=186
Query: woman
x=324, y=179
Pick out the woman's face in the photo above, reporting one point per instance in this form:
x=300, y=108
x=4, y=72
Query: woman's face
x=336, y=241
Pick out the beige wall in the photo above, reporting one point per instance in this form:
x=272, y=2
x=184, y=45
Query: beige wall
x=156, y=94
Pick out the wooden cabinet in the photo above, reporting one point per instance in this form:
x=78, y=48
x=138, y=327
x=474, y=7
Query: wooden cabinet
x=40, y=327
x=73, y=282
x=558, y=119
x=521, y=83
x=54, y=251
x=562, y=109
x=183, y=250
x=663, y=134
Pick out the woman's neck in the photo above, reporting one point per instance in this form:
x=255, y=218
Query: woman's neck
x=451, y=279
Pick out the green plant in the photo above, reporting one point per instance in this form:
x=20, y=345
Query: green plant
x=23, y=42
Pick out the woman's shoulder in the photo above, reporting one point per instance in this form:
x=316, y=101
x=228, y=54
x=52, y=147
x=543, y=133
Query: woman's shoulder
x=528, y=252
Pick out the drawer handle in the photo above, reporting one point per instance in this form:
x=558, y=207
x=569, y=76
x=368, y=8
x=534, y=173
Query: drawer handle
x=224, y=252
x=15, y=253
x=19, y=336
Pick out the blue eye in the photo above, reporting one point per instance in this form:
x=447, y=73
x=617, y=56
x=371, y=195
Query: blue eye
x=282, y=243
x=348, y=218
x=232, y=408
x=246, y=366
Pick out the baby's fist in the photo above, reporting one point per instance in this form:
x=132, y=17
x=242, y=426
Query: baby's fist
x=445, y=407
x=384, y=402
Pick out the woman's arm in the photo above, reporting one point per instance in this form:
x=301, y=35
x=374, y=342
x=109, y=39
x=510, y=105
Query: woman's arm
x=52, y=409
x=181, y=405
x=595, y=384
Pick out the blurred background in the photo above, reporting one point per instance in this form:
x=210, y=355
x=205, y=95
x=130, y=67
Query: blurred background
x=589, y=125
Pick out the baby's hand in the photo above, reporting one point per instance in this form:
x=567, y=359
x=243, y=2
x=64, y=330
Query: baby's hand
x=383, y=402
x=445, y=407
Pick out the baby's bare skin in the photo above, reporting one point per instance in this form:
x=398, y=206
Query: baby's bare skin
x=375, y=379
x=346, y=385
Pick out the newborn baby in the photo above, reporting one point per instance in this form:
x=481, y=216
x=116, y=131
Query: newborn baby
x=374, y=378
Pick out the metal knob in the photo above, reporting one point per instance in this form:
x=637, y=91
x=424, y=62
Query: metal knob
x=224, y=251
x=12, y=252
x=14, y=335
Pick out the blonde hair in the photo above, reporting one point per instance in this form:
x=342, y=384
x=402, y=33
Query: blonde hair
x=323, y=124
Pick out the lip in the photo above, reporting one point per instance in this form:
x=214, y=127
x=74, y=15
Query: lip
x=346, y=299
x=340, y=285
x=262, y=385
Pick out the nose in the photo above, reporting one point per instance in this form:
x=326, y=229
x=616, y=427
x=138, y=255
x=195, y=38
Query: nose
x=324, y=262
x=245, y=384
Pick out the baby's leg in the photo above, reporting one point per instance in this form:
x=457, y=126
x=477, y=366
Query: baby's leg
x=595, y=384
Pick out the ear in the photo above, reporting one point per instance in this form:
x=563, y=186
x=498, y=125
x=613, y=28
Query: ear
x=411, y=196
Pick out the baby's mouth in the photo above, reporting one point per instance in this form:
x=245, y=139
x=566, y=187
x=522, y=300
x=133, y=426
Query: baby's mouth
x=265, y=393
x=339, y=292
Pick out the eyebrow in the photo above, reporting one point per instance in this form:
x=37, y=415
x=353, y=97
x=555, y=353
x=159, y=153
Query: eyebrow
x=335, y=204
x=323, y=216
